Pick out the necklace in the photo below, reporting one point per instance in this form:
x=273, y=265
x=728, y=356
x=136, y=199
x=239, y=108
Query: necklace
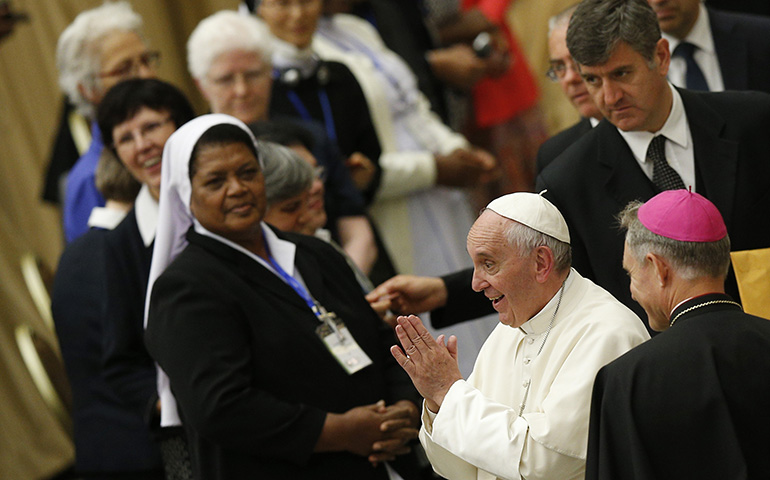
x=712, y=302
x=545, y=337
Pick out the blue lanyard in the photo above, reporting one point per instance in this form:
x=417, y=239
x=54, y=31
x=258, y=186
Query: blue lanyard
x=326, y=108
x=293, y=283
x=319, y=311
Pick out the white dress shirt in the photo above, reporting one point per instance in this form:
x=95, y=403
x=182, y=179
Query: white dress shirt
x=679, y=148
x=705, y=54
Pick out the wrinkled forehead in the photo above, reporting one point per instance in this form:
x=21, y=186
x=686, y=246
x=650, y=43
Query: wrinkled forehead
x=488, y=231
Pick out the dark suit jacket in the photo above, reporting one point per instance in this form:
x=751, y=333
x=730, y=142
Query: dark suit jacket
x=352, y=122
x=742, y=43
x=110, y=437
x=690, y=403
x=252, y=379
x=462, y=302
x=592, y=181
x=402, y=27
x=128, y=367
x=554, y=146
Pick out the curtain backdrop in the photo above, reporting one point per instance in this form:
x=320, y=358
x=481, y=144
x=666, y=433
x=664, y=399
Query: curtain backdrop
x=32, y=445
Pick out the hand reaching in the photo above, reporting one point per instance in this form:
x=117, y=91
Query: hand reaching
x=465, y=167
x=410, y=294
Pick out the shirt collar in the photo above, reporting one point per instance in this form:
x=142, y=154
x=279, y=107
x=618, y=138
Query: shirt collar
x=282, y=251
x=539, y=323
x=286, y=56
x=675, y=129
x=105, y=218
x=146, y=211
x=700, y=34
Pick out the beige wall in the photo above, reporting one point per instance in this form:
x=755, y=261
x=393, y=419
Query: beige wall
x=32, y=445
x=529, y=21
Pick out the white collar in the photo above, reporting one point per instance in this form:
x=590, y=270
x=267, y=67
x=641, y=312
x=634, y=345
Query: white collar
x=675, y=129
x=323, y=234
x=286, y=55
x=700, y=34
x=282, y=251
x=539, y=323
x=105, y=218
x=146, y=211
x=594, y=121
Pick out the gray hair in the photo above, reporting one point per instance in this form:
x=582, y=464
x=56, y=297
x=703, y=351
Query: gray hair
x=690, y=259
x=76, y=52
x=560, y=19
x=598, y=26
x=526, y=239
x=223, y=32
x=286, y=173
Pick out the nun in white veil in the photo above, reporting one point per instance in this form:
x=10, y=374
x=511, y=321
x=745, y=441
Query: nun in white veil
x=274, y=362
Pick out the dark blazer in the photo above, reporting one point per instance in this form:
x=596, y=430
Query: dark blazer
x=402, y=27
x=742, y=43
x=554, y=146
x=462, y=302
x=594, y=179
x=349, y=110
x=128, y=367
x=690, y=403
x=252, y=379
x=110, y=437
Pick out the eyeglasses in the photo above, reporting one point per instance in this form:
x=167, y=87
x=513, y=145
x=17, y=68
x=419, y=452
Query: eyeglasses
x=559, y=68
x=130, y=68
x=249, y=77
x=149, y=130
x=287, y=4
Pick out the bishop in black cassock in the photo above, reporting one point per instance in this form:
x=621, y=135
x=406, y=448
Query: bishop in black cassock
x=693, y=402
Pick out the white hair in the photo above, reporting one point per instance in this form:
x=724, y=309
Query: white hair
x=223, y=32
x=527, y=239
x=560, y=20
x=77, y=57
x=287, y=174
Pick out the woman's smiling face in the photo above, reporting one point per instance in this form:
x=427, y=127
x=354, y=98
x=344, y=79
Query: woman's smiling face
x=228, y=191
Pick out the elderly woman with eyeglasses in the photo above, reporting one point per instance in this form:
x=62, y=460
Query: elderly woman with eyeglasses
x=229, y=56
x=276, y=365
x=100, y=48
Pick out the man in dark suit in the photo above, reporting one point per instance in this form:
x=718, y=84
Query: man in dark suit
x=564, y=71
x=714, y=143
x=730, y=49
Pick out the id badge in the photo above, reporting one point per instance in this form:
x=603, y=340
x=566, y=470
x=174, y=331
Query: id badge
x=341, y=344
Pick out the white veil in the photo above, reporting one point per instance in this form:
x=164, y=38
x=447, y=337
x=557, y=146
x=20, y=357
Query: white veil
x=174, y=219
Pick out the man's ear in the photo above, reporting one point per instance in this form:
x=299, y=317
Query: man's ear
x=661, y=268
x=662, y=56
x=544, y=262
